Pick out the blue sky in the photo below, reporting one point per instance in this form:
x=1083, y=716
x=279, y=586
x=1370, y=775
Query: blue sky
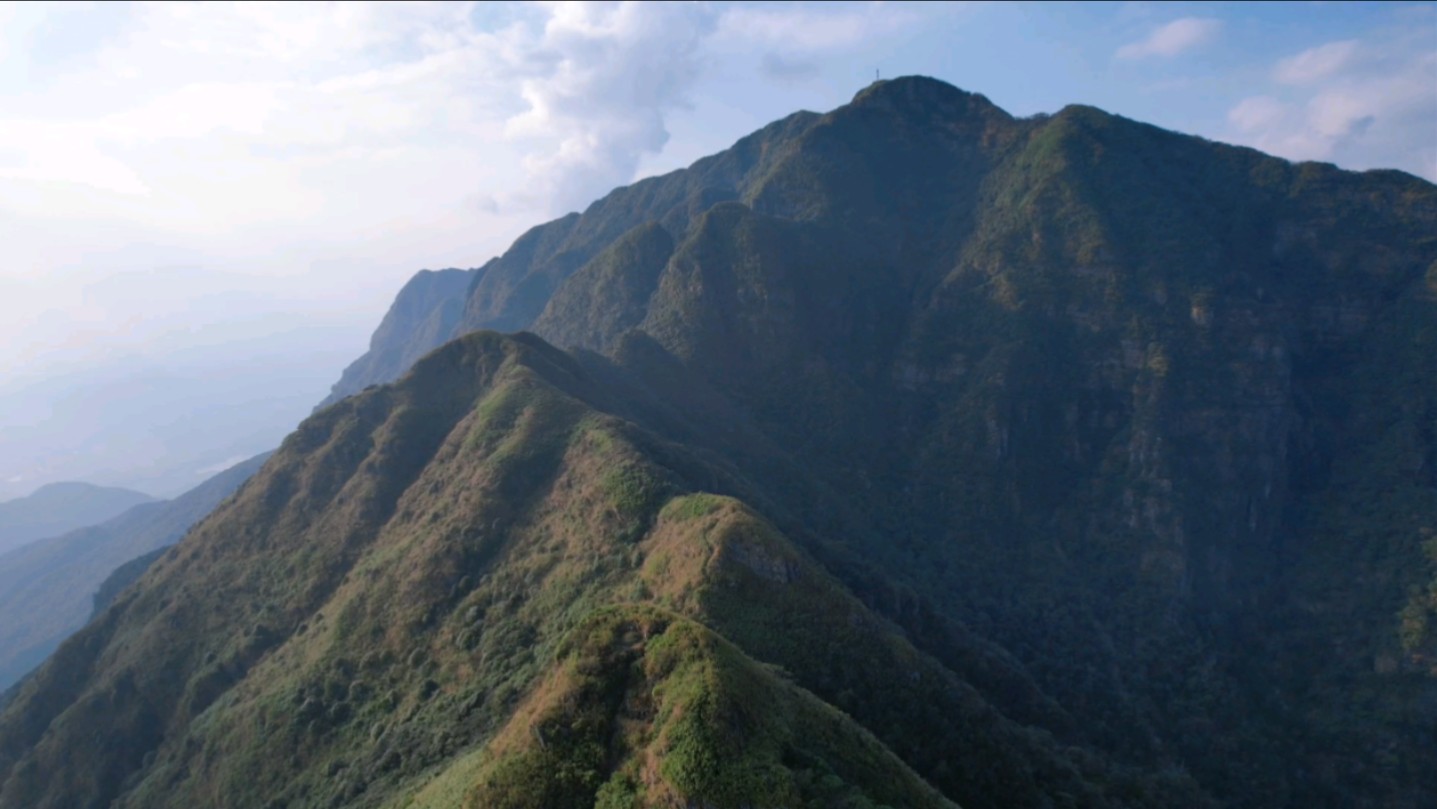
x=180, y=184
x=1185, y=66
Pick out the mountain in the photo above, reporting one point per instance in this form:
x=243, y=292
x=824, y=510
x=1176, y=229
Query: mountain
x=511, y=290
x=907, y=454
x=425, y=315
x=46, y=587
x=55, y=508
x=421, y=574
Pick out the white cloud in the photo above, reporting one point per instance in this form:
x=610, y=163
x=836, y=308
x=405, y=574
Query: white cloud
x=51, y=152
x=239, y=116
x=226, y=117
x=1172, y=39
x=1376, y=111
x=601, y=80
x=808, y=30
x=330, y=150
x=1257, y=112
x=1317, y=63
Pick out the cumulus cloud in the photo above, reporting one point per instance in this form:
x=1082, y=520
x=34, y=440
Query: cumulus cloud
x=560, y=100
x=1174, y=38
x=208, y=122
x=600, y=82
x=1362, y=103
x=1317, y=63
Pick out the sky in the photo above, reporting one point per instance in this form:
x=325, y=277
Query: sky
x=206, y=209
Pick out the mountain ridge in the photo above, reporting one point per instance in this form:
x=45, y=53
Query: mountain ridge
x=1115, y=444
x=56, y=508
x=518, y=413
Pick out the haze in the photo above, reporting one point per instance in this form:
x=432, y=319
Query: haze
x=207, y=208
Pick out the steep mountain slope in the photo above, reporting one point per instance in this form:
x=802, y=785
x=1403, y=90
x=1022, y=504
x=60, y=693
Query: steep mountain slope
x=651, y=688
x=1094, y=392
x=370, y=612
x=56, y=508
x=510, y=291
x=1077, y=462
x=1088, y=385
x=120, y=578
x=46, y=587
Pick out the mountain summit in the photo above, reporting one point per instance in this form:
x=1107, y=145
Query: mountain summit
x=911, y=454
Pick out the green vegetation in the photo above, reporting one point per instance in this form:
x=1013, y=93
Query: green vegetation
x=649, y=709
x=915, y=455
x=1418, y=629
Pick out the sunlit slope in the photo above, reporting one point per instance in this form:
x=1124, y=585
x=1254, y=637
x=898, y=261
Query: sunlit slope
x=391, y=589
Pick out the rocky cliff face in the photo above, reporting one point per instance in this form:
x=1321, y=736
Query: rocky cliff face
x=1078, y=461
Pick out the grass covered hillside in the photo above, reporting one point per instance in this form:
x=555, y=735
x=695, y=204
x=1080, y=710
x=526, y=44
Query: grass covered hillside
x=644, y=708
x=385, y=612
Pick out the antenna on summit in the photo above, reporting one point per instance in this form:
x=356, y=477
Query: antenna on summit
x=875, y=74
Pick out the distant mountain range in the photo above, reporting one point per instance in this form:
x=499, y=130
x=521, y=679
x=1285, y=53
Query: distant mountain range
x=47, y=588
x=911, y=454
x=56, y=508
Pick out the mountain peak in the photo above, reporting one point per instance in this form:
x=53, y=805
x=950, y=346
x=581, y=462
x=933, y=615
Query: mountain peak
x=926, y=94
